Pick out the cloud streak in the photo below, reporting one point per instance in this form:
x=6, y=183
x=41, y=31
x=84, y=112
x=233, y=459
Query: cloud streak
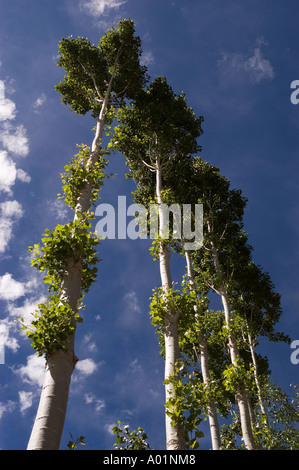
x=100, y=7
x=255, y=66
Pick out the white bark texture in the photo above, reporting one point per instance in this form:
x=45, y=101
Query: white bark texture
x=204, y=362
x=175, y=433
x=48, y=425
x=241, y=394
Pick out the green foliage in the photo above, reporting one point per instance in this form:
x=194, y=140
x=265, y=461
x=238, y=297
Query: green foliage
x=79, y=173
x=54, y=322
x=238, y=376
x=91, y=71
x=185, y=405
x=279, y=430
x=130, y=440
x=73, y=240
x=159, y=125
x=73, y=443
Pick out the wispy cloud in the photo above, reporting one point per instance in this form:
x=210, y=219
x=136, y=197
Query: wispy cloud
x=14, y=139
x=131, y=312
x=39, y=102
x=7, y=407
x=10, y=289
x=147, y=58
x=25, y=399
x=86, y=366
x=14, y=143
x=97, y=403
x=33, y=372
x=8, y=172
x=7, y=107
x=99, y=7
x=58, y=209
x=255, y=66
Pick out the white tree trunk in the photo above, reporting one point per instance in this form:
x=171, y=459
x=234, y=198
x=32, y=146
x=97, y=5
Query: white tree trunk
x=241, y=393
x=48, y=425
x=175, y=434
x=204, y=362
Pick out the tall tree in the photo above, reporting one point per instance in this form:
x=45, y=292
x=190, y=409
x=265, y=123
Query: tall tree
x=158, y=135
x=225, y=247
x=98, y=80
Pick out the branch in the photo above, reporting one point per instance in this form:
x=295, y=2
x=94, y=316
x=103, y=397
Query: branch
x=94, y=81
x=152, y=168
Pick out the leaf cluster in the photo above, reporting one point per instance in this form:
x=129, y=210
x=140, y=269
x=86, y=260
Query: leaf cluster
x=130, y=440
x=91, y=70
x=79, y=173
x=73, y=240
x=54, y=322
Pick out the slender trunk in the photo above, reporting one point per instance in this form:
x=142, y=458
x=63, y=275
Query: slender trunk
x=241, y=393
x=256, y=377
x=175, y=433
x=204, y=362
x=48, y=425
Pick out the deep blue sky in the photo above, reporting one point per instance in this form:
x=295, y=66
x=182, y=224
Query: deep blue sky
x=235, y=62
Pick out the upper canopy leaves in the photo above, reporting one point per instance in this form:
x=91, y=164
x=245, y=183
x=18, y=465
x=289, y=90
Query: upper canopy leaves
x=159, y=125
x=92, y=71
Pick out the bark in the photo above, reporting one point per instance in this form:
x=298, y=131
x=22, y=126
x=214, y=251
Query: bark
x=204, y=362
x=241, y=393
x=175, y=433
x=256, y=377
x=49, y=422
x=48, y=425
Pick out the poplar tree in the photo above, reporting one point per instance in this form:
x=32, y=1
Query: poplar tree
x=158, y=135
x=98, y=80
x=225, y=246
x=251, y=306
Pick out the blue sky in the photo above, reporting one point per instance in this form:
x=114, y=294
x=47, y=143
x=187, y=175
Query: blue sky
x=235, y=61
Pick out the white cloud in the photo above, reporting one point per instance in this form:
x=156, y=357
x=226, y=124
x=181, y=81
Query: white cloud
x=90, y=399
x=99, y=7
x=147, y=58
x=11, y=209
x=33, y=372
x=131, y=312
x=5, y=338
x=10, y=212
x=236, y=66
x=58, y=209
x=25, y=399
x=86, y=366
x=7, y=107
x=132, y=301
x=89, y=344
x=258, y=67
x=8, y=172
x=39, y=102
x=23, y=176
x=14, y=139
x=7, y=407
x=5, y=233
x=10, y=289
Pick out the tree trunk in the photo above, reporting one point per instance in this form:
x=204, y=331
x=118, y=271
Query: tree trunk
x=204, y=362
x=175, y=433
x=256, y=377
x=241, y=393
x=48, y=425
